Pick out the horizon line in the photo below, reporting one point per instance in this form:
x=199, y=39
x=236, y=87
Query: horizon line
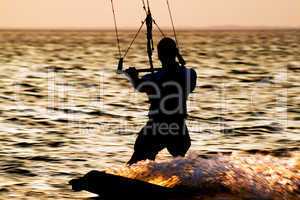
x=225, y=27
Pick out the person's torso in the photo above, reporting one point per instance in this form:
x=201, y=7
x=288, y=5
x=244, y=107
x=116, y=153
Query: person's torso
x=172, y=89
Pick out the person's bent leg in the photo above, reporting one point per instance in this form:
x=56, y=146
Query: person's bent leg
x=136, y=157
x=145, y=145
x=180, y=143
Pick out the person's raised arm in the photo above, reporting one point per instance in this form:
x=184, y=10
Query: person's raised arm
x=133, y=75
x=141, y=85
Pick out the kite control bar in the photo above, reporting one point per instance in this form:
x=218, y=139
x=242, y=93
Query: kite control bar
x=121, y=71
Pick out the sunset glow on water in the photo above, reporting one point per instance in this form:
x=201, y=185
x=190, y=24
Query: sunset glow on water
x=64, y=111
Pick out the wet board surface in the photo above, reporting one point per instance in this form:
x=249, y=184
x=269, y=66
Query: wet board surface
x=109, y=186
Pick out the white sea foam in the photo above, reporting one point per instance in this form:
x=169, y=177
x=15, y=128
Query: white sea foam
x=245, y=176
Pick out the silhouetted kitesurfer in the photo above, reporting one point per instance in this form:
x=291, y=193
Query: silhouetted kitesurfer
x=167, y=90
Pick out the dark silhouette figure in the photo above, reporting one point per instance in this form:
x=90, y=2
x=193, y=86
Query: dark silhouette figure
x=167, y=90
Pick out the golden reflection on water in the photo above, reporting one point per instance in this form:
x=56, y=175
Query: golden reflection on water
x=64, y=111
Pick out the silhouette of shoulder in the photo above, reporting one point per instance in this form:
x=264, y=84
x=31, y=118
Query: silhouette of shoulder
x=186, y=75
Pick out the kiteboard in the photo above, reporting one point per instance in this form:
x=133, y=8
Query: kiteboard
x=109, y=186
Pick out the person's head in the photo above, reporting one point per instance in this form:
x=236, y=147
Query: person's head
x=167, y=51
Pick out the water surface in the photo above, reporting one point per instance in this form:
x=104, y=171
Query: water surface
x=64, y=111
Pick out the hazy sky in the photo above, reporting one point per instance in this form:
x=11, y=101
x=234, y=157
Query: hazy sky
x=187, y=13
